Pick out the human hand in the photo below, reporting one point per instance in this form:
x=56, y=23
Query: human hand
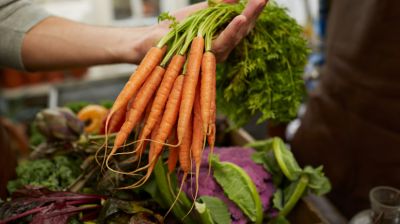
x=236, y=30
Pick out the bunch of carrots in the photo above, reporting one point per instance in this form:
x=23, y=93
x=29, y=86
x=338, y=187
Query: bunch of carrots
x=171, y=97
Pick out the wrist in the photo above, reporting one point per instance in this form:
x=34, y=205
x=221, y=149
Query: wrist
x=136, y=42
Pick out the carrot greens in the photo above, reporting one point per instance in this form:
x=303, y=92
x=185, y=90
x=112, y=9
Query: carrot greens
x=263, y=73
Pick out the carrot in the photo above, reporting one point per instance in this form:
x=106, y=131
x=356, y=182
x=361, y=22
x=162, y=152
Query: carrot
x=166, y=124
x=152, y=151
x=189, y=88
x=170, y=115
x=152, y=58
x=184, y=159
x=117, y=121
x=211, y=123
x=213, y=115
x=138, y=106
x=208, y=76
x=197, y=139
x=184, y=150
x=150, y=61
x=160, y=99
x=173, y=152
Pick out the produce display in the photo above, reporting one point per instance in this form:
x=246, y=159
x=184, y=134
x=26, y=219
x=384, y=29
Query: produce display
x=258, y=183
x=145, y=160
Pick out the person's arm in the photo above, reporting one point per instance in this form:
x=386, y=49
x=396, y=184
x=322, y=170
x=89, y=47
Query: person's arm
x=59, y=43
x=56, y=42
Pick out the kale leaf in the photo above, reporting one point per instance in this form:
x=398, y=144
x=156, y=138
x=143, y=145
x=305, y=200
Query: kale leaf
x=55, y=174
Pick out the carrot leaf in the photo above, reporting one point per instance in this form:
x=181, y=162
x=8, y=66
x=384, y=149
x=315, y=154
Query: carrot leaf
x=166, y=16
x=263, y=74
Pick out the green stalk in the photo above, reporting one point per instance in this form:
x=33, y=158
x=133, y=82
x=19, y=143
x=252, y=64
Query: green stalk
x=191, y=32
x=173, y=32
x=280, y=160
x=208, y=21
x=295, y=197
x=217, y=22
x=174, y=49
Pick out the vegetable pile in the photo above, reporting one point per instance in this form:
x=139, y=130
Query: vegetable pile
x=257, y=184
x=170, y=100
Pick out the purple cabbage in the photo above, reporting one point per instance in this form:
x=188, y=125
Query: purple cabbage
x=241, y=157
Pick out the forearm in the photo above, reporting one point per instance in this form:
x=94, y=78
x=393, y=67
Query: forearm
x=59, y=43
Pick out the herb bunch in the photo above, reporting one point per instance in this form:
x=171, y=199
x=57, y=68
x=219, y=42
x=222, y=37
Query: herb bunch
x=263, y=73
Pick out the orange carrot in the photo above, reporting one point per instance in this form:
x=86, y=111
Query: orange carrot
x=208, y=76
x=138, y=106
x=173, y=152
x=184, y=159
x=189, y=88
x=152, y=151
x=117, y=121
x=160, y=99
x=184, y=151
x=211, y=123
x=167, y=122
x=197, y=139
x=146, y=116
x=212, y=118
x=149, y=62
x=170, y=115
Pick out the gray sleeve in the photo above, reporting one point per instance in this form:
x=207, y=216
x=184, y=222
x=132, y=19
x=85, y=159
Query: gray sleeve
x=16, y=18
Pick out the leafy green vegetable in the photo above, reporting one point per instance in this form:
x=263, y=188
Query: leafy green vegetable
x=319, y=183
x=278, y=199
x=294, y=181
x=286, y=160
x=35, y=138
x=263, y=73
x=204, y=212
x=216, y=209
x=183, y=205
x=55, y=174
x=294, y=192
x=265, y=156
x=239, y=188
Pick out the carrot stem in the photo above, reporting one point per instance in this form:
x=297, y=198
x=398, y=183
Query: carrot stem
x=175, y=47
